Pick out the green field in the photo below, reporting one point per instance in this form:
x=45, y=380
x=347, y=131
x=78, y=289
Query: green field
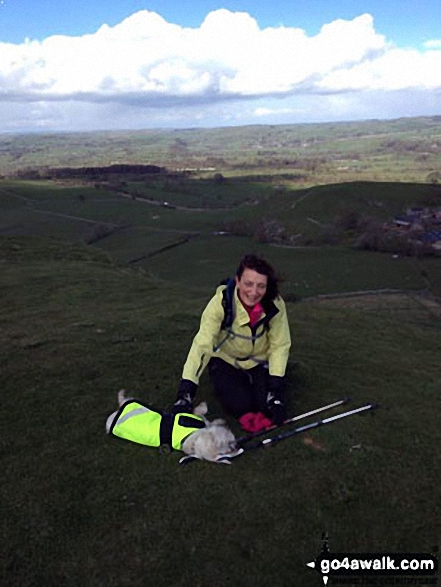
x=83, y=509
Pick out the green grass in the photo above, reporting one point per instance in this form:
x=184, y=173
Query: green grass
x=26, y=221
x=84, y=509
x=135, y=244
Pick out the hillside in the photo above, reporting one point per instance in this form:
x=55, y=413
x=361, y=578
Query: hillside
x=189, y=230
x=83, y=509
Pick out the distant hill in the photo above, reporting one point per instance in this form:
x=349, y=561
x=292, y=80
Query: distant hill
x=406, y=149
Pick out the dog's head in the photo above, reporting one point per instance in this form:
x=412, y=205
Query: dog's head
x=212, y=442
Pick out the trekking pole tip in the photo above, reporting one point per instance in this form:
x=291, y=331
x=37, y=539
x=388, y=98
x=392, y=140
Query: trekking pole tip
x=187, y=459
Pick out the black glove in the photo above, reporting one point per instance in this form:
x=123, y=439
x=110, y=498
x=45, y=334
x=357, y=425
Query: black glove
x=277, y=411
x=184, y=400
x=275, y=399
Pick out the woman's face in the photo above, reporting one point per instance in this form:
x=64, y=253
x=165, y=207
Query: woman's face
x=251, y=287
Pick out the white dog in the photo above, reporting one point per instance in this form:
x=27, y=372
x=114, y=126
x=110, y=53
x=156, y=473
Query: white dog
x=191, y=433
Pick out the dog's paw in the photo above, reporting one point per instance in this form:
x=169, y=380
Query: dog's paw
x=223, y=461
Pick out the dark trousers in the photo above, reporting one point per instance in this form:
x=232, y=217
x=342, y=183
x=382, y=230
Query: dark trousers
x=239, y=391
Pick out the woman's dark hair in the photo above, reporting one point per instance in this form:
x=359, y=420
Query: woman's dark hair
x=261, y=266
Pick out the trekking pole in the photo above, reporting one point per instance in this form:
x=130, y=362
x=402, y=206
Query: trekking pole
x=276, y=439
x=244, y=439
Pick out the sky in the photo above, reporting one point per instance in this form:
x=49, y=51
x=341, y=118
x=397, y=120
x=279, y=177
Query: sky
x=135, y=64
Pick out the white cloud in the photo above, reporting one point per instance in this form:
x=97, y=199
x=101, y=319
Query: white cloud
x=433, y=44
x=397, y=69
x=148, y=57
x=264, y=111
x=146, y=61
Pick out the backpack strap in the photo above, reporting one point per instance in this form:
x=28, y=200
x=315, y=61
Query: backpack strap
x=228, y=303
x=228, y=306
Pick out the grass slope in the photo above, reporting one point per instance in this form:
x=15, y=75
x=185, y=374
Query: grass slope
x=83, y=509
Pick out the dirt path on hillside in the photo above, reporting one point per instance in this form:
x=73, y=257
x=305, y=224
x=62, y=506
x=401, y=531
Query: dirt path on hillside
x=70, y=217
x=110, y=224
x=306, y=195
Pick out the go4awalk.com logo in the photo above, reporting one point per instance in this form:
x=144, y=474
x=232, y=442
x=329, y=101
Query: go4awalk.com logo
x=376, y=568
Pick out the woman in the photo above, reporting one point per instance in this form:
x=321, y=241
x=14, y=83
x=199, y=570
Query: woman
x=244, y=339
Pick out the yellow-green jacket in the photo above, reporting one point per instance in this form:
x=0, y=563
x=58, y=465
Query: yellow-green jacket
x=268, y=342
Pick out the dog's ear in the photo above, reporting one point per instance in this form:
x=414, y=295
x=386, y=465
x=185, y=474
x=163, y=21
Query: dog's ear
x=218, y=422
x=121, y=397
x=201, y=409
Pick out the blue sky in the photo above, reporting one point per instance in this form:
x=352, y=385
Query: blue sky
x=162, y=63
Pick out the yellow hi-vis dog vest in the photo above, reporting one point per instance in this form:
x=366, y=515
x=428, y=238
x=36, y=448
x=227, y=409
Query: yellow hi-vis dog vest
x=139, y=423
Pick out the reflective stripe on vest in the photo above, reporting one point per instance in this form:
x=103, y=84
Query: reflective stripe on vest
x=138, y=423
